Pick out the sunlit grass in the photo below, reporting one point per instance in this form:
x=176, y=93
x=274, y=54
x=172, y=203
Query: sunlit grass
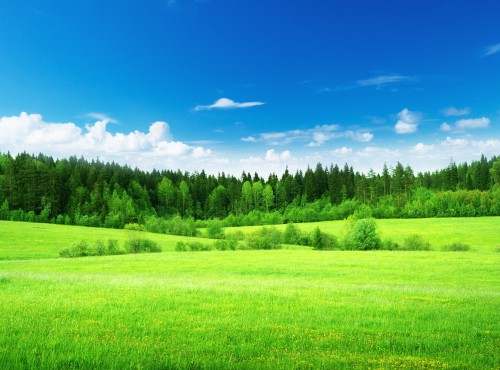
x=32, y=240
x=481, y=233
x=252, y=309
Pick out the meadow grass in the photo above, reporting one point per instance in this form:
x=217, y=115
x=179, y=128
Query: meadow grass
x=281, y=309
x=278, y=309
x=481, y=233
x=22, y=240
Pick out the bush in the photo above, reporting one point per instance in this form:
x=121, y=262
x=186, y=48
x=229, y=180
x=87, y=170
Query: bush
x=265, y=238
x=363, y=235
x=390, y=245
x=181, y=247
x=114, y=248
x=138, y=245
x=320, y=240
x=80, y=249
x=292, y=234
x=224, y=245
x=415, y=243
x=215, y=229
x=135, y=227
x=456, y=247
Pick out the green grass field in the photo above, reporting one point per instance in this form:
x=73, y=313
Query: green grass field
x=280, y=309
x=21, y=240
x=481, y=233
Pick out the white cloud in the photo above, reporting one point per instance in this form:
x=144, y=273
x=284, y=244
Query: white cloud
x=384, y=80
x=362, y=137
x=343, y=151
x=314, y=137
x=249, y=139
x=445, y=127
x=473, y=123
x=421, y=149
x=224, y=103
x=492, y=49
x=147, y=150
x=101, y=117
x=455, y=112
x=272, y=156
x=408, y=122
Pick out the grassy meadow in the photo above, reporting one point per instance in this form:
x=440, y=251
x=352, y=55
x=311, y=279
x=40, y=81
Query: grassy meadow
x=279, y=309
x=481, y=233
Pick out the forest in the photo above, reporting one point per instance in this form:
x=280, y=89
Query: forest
x=39, y=188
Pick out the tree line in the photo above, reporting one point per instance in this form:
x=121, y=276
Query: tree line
x=77, y=191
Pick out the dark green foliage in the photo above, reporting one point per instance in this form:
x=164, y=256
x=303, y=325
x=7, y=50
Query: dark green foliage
x=292, y=234
x=215, y=229
x=321, y=240
x=192, y=246
x=228, y=244
x=99, y=248
x=415, y=243
x=390, y=245
x=135, y=227
x=76, y=191
x=363, y=236
x=456, y=247
x=264, y=238
x=139, y=245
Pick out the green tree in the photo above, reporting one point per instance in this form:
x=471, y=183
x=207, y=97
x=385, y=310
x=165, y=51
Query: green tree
x=246, y=194
x=166, y=195
x=268, y=196
x=363, y=235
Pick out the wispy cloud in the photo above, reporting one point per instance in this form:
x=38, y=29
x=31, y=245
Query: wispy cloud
x=466, y=124
x=492, y=49
x=313, y=137
x=473, y=123
x=408, y=122
x=455, y=112
x=101, y=117
x=382, y=80
x=225, y=103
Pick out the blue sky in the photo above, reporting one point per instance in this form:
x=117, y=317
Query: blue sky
x=226, y=85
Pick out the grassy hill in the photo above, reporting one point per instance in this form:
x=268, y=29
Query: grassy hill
x=279, y=309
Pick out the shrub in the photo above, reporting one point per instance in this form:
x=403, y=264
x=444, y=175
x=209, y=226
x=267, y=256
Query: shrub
x=181, y=247
x=80, y=249
x=456, y=247
x=292, y=234
x=363, y=235
x=215, y=229
x=390, y=245
x=415, y=243
x=320, y=240
x=135, y=227
x=264, y=238
x=137, y=245
x=114, y=248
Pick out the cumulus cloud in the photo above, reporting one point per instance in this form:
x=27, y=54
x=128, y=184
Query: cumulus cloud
x=152, y=149
x=272, y=156
x=225, y=103
x=492, y=49
x=408, y=122
x=455, y=112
